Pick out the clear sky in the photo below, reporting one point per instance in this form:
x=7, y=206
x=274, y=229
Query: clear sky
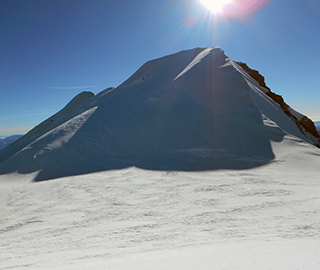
x=51, y=50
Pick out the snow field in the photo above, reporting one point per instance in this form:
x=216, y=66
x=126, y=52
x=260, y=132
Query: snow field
x=262, y=218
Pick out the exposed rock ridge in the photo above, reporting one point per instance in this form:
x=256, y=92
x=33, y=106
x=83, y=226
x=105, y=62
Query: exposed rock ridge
x=304, y=123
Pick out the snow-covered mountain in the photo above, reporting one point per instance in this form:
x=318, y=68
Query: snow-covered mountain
x=8, y=140
x=193, y=110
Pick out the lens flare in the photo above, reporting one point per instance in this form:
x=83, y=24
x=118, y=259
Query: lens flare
x=245, y=8
x=215, y=6
x=235, y=9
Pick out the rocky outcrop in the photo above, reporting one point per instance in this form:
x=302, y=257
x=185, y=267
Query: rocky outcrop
x=304, y=123
x=254, y=74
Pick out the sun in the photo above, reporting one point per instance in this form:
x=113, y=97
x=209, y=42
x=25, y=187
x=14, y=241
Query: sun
x=215, y=6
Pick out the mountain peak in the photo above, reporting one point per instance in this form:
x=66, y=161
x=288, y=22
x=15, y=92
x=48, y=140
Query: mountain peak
x=192, y=110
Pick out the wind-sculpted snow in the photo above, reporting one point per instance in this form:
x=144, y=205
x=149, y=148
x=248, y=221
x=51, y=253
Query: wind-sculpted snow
x=57, y=137
x=194, y=110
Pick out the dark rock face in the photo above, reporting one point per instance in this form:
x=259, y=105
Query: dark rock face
x=254, y=74
x=304, y=124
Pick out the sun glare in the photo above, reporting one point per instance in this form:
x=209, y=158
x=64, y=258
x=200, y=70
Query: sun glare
x=215, y=6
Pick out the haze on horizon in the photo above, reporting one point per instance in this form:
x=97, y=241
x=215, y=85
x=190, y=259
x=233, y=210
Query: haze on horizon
x=51, y=51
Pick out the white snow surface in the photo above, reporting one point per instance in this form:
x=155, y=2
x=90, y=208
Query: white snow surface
x=186, y=165
x=260, y=218
x=195, y=61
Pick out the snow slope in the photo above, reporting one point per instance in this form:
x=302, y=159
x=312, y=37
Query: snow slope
x=260, y=218
x=193, y=110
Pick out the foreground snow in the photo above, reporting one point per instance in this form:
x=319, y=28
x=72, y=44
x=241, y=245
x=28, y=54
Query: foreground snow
x=261, y=218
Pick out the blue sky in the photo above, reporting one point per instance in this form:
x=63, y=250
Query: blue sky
x=52, y=50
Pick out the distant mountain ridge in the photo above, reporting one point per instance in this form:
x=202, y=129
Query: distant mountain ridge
x=192, y=110
x=4, y=142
